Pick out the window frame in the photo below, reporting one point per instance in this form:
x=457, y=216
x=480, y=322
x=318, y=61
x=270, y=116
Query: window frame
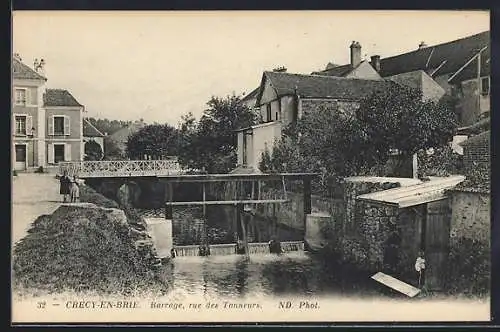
x=25, y=116
x=57, y=133
x=16, y=101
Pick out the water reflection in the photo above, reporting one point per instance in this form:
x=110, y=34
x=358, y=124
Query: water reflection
x=236, y=276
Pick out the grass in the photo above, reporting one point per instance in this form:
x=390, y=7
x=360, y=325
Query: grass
x=81, y=249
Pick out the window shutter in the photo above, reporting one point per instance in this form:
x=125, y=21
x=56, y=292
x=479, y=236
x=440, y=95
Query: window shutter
x=67, y=152
x=66, y=125
x=29, y=125
x=50, y=125
x=50, y=153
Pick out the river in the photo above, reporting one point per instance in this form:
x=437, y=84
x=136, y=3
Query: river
x=265, y=275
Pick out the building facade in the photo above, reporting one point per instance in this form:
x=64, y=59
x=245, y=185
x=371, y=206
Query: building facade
x=46, y=123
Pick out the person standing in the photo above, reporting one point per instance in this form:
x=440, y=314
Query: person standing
x=74, y=191
x=64, y=186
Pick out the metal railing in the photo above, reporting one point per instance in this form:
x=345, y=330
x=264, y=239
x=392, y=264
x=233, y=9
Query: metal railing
x=119, y=168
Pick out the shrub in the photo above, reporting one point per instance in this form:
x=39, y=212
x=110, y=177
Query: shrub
x=14, y=173
x=40, y=170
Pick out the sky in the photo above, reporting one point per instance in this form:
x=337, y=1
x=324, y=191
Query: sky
x=161, y=65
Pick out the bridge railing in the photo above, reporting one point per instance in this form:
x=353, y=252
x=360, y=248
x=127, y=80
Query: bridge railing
x=112, y=168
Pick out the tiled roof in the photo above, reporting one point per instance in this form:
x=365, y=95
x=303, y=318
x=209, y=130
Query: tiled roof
x=456, y=53
x=339, y=71
x=252, y=94
x=59, y=97
x=477, y=139
x=89, y=130
x=122, y=135
x=316, y=86
x=22, y=71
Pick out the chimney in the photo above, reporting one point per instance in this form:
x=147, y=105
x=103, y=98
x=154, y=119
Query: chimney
x=355, y=53
x=375, y=61
x=422, y=45
x=38, y=66
x=281, y=69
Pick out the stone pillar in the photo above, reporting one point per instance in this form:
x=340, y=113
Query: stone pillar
x=160, y=230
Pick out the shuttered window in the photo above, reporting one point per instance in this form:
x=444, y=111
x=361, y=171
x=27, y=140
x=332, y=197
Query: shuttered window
x=59, y=125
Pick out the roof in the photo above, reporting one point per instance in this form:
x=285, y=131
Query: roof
x=123, y=134
x=252, y=94
x=456, y=53
x=339, y=71
x=59, y=97
x=23, y=72
x=89, y=130
x=420, y=81
x=476, y=128
x=404, y=182
x=318, y=86
x=416, y=194
x=468, y=186
x=483, y=137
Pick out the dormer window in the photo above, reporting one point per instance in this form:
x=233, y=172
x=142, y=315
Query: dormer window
x=485, y=86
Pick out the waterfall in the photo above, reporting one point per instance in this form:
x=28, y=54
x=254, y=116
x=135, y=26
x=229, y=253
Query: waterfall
x=230, y=249
x=215, y=249
x=292, y=246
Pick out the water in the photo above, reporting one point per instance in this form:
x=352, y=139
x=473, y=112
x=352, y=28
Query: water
x=264, y=275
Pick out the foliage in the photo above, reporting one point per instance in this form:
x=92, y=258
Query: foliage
x=469, y=267
x=40, y=170
x=107, y=126
x=111, y=150
x=156, y=140
x=341, y=143
x=440, y=161
x=14, y=173
x=93, y=151
x=210, y=143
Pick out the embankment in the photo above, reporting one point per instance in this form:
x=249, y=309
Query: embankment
x=87, y=247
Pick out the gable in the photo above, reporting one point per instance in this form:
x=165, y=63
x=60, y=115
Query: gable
x=422, y=82
x=365, y=71
x=21, y=71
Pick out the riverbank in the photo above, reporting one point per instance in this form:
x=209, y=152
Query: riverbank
x=87, y=247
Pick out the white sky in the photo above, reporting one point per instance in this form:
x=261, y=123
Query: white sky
x=161, y=65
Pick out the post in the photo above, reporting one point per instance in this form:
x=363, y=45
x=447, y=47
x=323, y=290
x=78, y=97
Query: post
x=307, y=200
x=168, y=198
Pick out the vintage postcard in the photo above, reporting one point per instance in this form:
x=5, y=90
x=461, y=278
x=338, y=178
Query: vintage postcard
x=236, y=166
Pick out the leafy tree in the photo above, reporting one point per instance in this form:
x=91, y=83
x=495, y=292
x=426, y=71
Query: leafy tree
x=157, y=141
x=111, y=150
x=210, y=143
x=108, y=126
x=93, y=151
x=343, y=143
x=397, y=118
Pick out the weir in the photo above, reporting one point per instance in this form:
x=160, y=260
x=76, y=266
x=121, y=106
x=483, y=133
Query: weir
x=230, y=249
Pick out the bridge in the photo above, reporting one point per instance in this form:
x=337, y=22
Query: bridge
x=122, y=168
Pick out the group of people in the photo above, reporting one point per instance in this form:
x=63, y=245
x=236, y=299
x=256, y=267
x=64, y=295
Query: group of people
x=69, y=188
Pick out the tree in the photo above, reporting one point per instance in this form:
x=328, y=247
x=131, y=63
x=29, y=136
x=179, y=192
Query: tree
x=111, y=150
x=351, y=143
x=397, y=118
x=156, y=141
x=93, y=151
x=210, y=144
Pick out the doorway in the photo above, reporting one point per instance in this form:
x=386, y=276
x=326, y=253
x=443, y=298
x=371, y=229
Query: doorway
x=21, y=157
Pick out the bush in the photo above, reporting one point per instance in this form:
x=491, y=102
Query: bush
x=40, y=170
x=469, y=268
x=14, y=173
x=81, y=249
x=89, y=195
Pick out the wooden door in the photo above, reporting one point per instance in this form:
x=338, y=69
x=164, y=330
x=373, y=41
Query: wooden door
x=21, y=157
x=437, y=230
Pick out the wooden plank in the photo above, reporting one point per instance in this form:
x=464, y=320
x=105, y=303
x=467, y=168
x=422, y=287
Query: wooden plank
x=396, y=284
x=229, y=202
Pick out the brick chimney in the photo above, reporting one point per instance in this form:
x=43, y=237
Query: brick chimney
x=281, y=69
x=355, y=53
x=375, y=62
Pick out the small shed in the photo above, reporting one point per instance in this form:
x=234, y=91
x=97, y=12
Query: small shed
x=406, y=220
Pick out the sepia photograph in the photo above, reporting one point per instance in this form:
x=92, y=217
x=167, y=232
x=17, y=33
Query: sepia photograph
x=250, y=166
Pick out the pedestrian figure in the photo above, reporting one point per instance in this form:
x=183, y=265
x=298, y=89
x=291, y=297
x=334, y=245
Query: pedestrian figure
x=420, y=267
x=64, y=186
x=74, y=190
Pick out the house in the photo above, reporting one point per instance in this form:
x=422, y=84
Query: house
x=452, y=65
x=284, y=97
x=91, y=133
x=121, y=136
x=250, y=99
x=47, y=123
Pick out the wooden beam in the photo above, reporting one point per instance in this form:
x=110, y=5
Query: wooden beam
x=230, y=202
